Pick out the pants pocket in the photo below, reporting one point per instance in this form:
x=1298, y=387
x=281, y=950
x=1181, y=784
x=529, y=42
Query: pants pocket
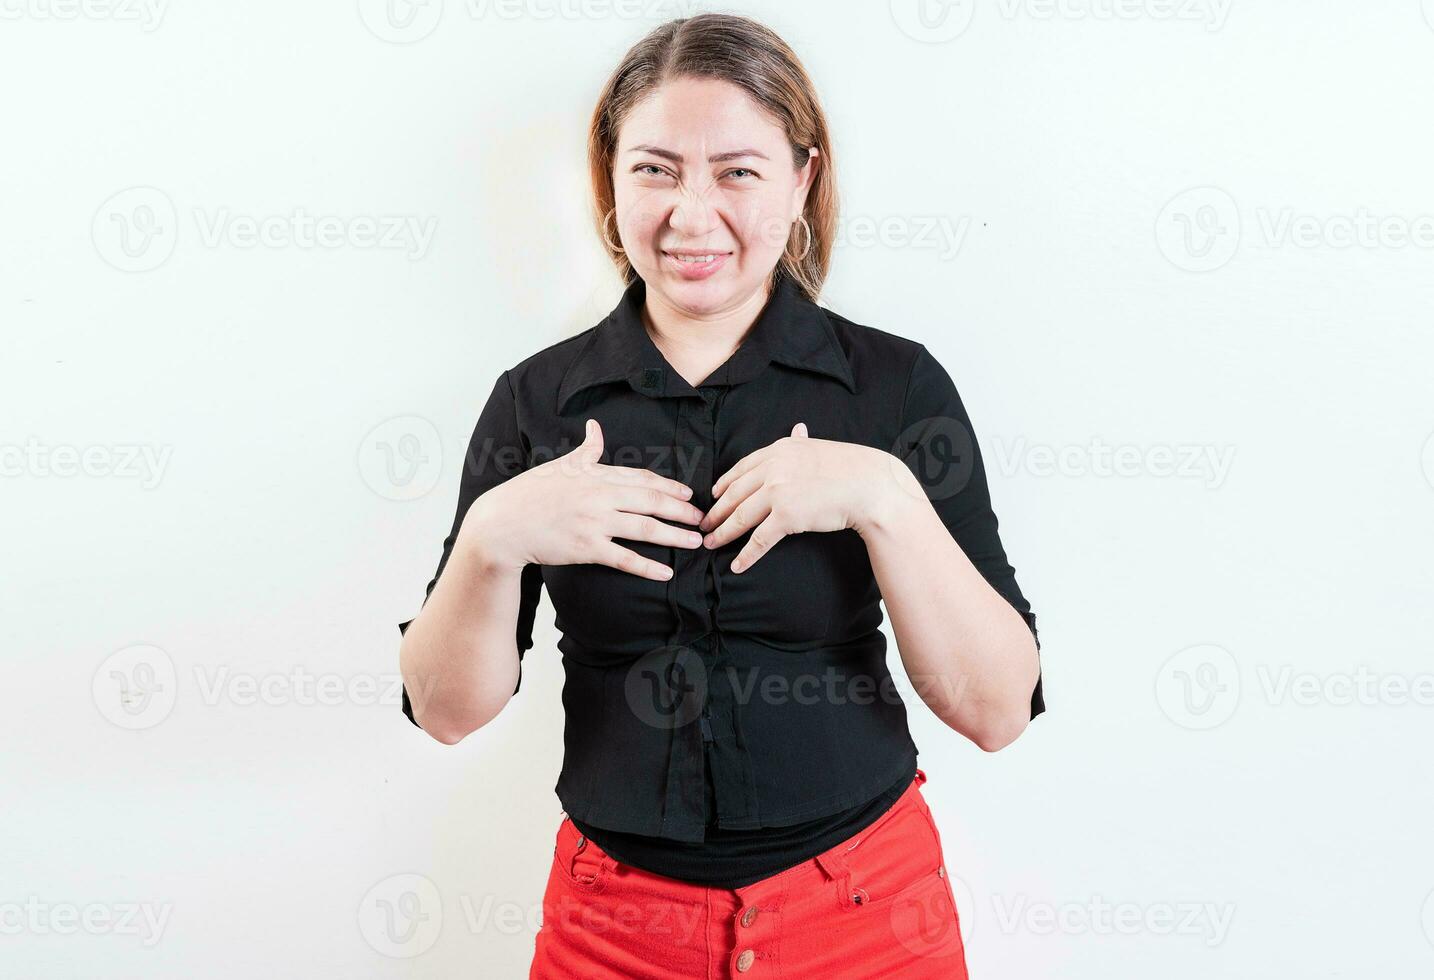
x=899, y=853
x=578, y=860
x=924, y=918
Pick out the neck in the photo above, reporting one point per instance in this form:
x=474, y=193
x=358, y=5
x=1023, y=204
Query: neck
x=697, y=344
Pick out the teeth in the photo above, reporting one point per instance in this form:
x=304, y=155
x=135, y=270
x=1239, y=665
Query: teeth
x=694, y=259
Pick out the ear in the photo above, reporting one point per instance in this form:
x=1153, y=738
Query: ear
x=805, y=176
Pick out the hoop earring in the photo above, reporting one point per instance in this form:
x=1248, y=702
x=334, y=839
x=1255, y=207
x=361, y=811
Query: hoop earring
x=802, y=220
x=605, y=240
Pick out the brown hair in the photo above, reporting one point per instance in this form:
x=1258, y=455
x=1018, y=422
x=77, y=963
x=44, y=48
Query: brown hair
x=750, y=55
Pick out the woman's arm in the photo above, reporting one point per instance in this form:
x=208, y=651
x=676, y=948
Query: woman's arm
x=970, y=655
x=924, y=512
x=969, y=652
x=935, y=549
x=459, y=656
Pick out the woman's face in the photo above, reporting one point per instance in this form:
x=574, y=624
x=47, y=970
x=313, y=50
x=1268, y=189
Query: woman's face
x=701, y=170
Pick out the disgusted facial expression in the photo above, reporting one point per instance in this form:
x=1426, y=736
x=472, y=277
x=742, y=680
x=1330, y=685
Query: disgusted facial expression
x=706, y=190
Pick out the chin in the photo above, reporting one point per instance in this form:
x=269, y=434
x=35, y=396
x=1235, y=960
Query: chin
x=697, y=297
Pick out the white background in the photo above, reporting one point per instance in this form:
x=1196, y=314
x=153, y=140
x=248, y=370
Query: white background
x=1206, y=414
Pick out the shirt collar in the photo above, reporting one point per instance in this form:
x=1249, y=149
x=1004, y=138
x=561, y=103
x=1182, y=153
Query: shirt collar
x=790, y=330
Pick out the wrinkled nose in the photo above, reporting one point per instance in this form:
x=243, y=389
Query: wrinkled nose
x=693, y=215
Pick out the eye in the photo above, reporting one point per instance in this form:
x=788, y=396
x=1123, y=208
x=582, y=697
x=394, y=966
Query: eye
x=743, y=170
x=645, y=168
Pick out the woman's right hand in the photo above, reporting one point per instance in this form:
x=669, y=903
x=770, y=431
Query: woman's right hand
x=567, y=511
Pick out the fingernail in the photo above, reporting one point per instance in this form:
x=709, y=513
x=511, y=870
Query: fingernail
x=696, y=539
x=736, y=565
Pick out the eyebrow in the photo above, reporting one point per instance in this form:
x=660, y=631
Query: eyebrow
x=658, y=151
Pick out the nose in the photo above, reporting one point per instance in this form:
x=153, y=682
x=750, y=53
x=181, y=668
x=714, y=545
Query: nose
x=693, y=215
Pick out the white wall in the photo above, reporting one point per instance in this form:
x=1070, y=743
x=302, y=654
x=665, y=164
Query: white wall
x=1210, y=766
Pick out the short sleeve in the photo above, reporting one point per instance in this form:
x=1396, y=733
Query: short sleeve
x=496, y=452
x=938, y=444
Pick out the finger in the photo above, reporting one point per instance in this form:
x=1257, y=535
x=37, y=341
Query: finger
x=645, y=478
x=627, y=560
x=742, y=466
x=640, y=527
x=748, y=515
x=800, y=430
x=646, y=500
x=737, y=491
x=763, y=538
x=591, y=446
x=585, y=454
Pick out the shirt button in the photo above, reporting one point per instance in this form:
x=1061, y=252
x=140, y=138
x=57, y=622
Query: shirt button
x=744, y=962
x=749, y=916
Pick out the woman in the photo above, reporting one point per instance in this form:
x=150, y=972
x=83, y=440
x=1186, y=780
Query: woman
x=718, y=484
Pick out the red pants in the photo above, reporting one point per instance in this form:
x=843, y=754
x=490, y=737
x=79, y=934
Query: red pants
x=879, y=904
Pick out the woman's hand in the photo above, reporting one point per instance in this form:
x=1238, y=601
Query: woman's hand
x=567, y=511
x=801, y=484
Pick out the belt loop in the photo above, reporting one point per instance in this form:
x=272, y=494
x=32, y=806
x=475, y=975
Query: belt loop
x=920, y=777
x=833, y=861
x=833, y=864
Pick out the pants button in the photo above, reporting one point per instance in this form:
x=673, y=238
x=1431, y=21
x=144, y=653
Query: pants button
x=744, y=962
x=749, y=915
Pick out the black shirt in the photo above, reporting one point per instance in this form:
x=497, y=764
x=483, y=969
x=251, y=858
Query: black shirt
x=745, y=701
x=736, y=858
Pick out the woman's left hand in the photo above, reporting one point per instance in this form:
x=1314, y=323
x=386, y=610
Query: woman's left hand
x=801, y=484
